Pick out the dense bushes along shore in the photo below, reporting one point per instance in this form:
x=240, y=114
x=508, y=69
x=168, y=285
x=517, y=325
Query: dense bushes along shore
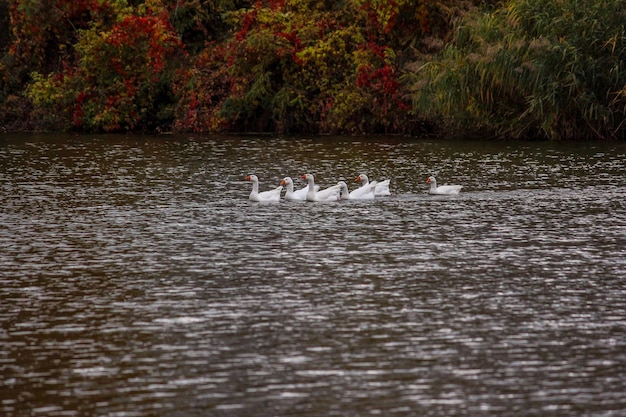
x=516, y=69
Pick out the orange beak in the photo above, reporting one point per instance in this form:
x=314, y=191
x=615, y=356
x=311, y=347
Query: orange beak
x=303, y=177
x=428, y=180
x=248, y=178
x=283, y=182
x=357, y=179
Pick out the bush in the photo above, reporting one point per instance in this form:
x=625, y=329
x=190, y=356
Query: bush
x=122, y=80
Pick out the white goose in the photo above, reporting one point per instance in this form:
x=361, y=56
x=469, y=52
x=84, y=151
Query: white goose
x=442, y=189
x=297, y=195
x=328, y=194
x=346, y=195
x=265, y=196
x=382, y=187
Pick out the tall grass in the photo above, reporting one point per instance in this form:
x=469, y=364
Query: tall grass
x=535, y=68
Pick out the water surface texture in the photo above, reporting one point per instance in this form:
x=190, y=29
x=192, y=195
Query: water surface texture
x=136, y=279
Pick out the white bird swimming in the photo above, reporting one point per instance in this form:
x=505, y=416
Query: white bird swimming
x=329, y=194
x=265, y=196
x=297, y=195
x=347, y=195
x=442, y=189
x=382, y=187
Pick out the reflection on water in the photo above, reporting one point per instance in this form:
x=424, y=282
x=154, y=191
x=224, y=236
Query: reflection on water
x=137, y=279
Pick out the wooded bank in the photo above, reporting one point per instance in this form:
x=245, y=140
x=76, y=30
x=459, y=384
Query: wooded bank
x=514, y=69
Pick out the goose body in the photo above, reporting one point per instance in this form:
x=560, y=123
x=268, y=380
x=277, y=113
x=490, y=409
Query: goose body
x=346, y=195
x=328, y=194
x=382, y=188
x=295, y=195
x=366, y=191
x=264, y=196
x=442, y=189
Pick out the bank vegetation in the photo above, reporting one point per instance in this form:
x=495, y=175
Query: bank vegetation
x=503, y=69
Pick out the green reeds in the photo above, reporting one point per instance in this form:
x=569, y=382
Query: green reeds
x=532, y=69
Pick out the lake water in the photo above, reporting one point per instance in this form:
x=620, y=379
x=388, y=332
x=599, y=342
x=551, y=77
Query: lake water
x=137, y=279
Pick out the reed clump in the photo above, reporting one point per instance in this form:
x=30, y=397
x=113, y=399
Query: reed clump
x=532, y=69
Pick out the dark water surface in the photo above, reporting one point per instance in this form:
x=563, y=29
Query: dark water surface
x=136, y=279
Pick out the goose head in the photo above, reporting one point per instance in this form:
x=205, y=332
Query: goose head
x=343, y=186
x=362, y=178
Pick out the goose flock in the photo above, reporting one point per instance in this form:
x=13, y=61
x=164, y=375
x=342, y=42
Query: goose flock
x=311, y=192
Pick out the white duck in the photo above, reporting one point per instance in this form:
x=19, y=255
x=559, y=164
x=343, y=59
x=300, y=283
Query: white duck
x=366, y=188
x=328, y=194
x=442, y=189
x=265, y=196
x=346, y=195
x=297, y=195
x=382, y=187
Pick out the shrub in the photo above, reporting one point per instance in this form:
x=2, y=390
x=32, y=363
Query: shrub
x=122, y=80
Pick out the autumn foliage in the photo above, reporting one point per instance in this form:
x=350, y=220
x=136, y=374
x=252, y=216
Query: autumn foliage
x=119, y=80
x=514, y=68
x=189, y=65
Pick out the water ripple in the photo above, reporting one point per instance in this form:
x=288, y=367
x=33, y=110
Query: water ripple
x=138, y=280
